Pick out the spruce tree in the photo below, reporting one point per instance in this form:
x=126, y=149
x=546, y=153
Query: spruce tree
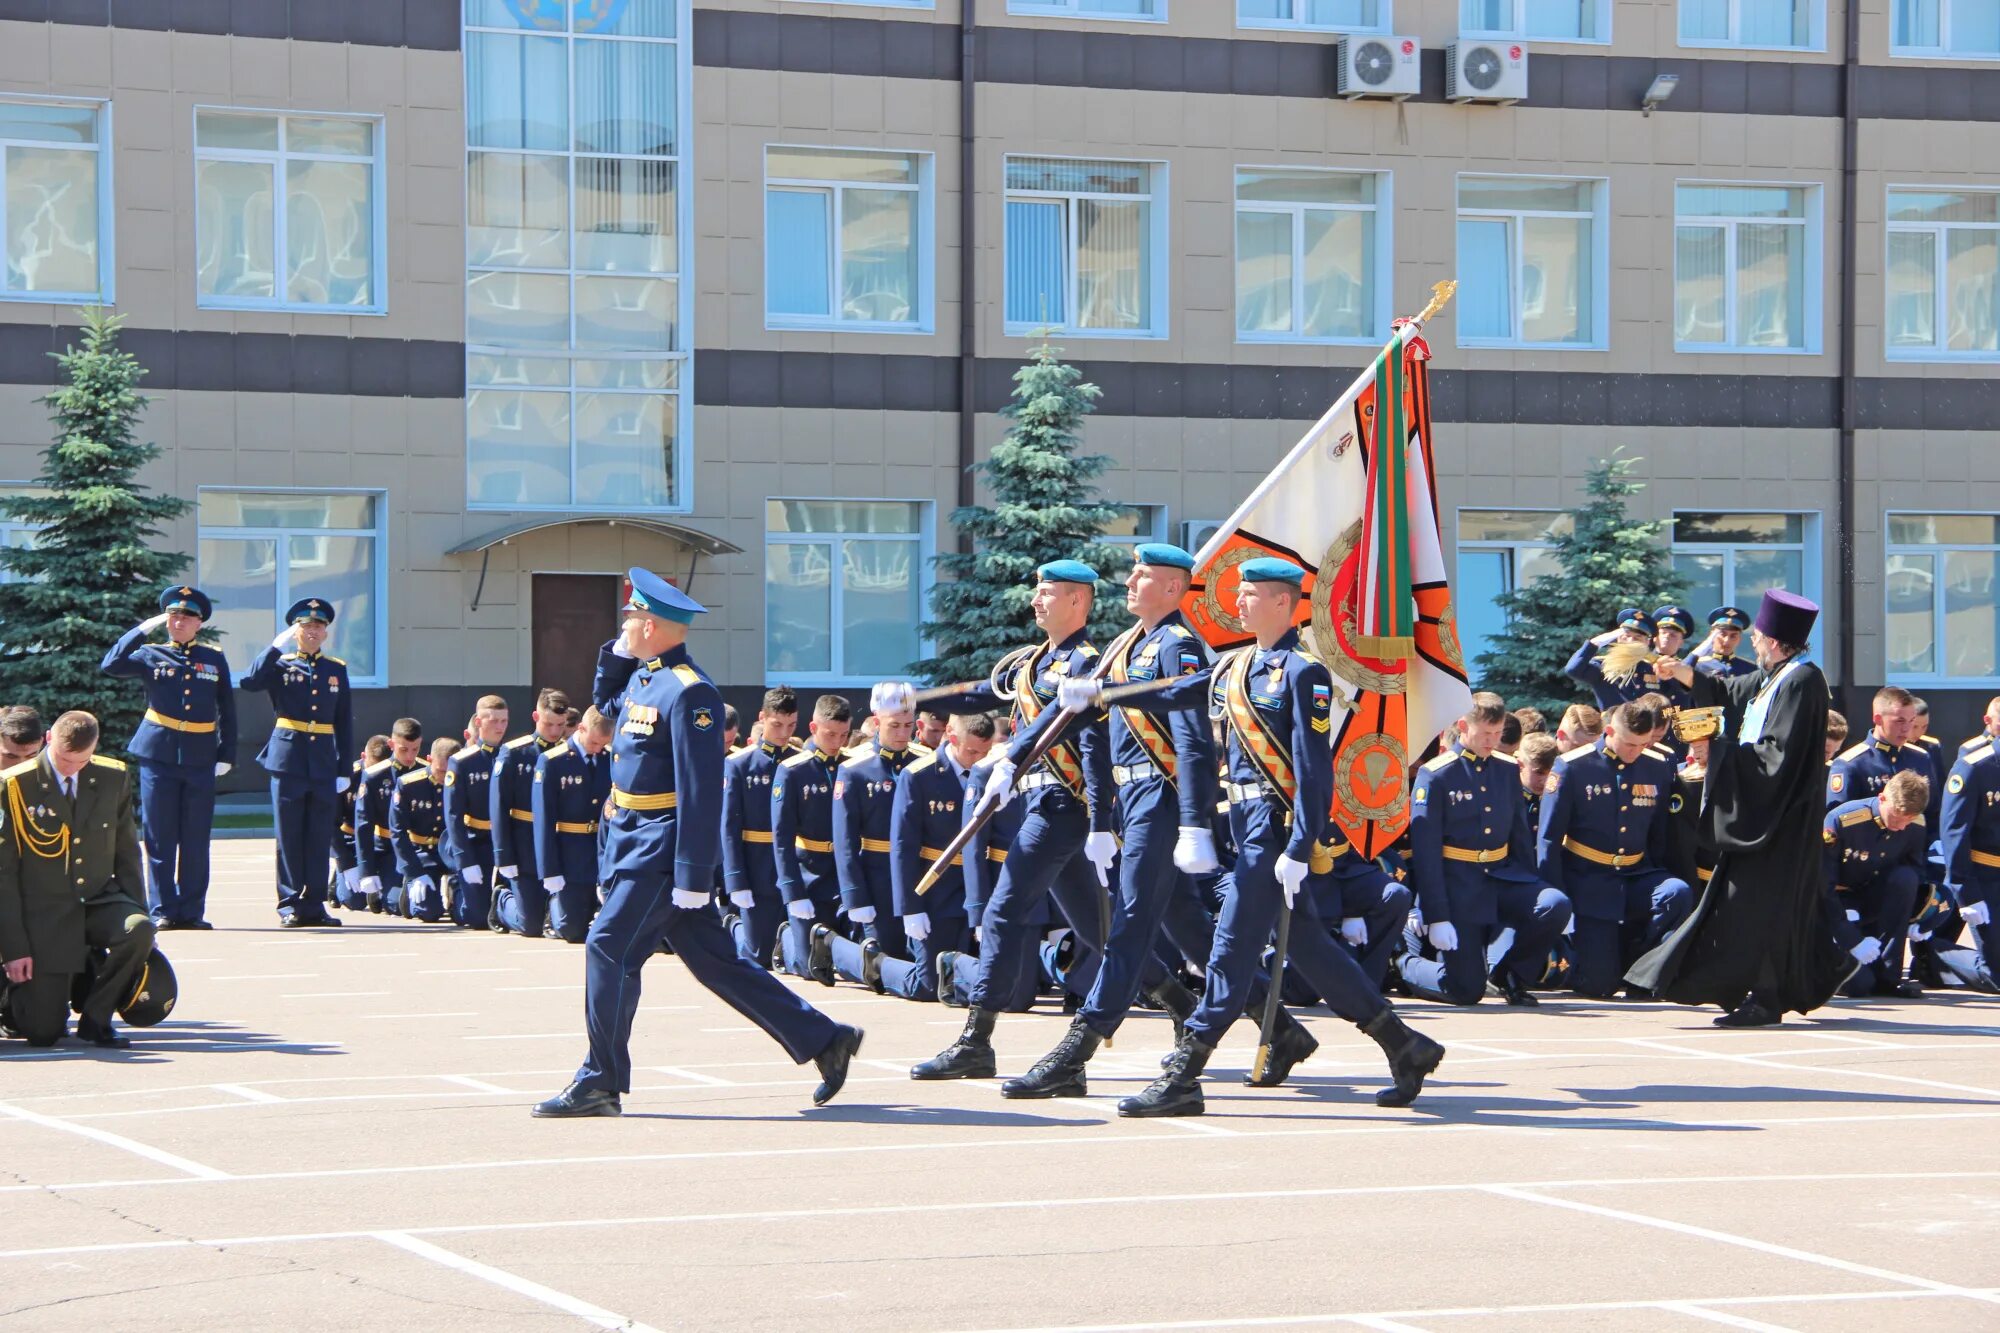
x=1605, y=562
x=92, y=571
x=1045, y=507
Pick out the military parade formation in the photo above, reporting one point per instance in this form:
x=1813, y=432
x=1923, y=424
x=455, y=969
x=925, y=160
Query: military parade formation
x=1098, y=829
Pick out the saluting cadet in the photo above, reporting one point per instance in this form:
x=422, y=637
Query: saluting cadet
x=1971, y=839
x=1603, y=843
x=661, y=847
x=1874, y=862
x=1472, y=866
x=1586, y=666
x=1068, y=798
x=520, y=903
x=802, y=839
x=468, y=814
x=345, y=886
x=184, y=743
x=1275, y=702
x=416, y=829
x=1716, y=656
x=749, y=870
x=308, y=755
x=374, y=851
x=1863, y=770
x=925, y=816
x=570, y=785
x=864, y=798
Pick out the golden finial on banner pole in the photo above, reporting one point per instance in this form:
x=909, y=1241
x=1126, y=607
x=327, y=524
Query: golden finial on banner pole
x=1441, y=294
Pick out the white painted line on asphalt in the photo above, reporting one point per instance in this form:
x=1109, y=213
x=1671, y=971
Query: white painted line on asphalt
x=1382, y=1323
x=584, y=1310
x=522, y=1036
x=1200, y=1127
x=352, y=957
x=337, y=995
x=460, y=971
x=692, y=1076
x=272, y=976
x=477, y=1084
x=1693, y=1311
x=257, y=1095
x=462, y=1014
x=194, y=1169
x=1765, y=1061
x=568, y=985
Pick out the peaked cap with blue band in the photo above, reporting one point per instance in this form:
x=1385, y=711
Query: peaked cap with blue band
x=1729, y=617
x=1270, y=569
x=657, y=597
x=1162, y=553
x=1633, y=618
x=310, y=608
x=1678, y=617
x=192, y=600
x=1067, y=571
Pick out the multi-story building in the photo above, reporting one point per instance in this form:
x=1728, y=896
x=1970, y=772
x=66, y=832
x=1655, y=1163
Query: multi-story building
x=453, y=312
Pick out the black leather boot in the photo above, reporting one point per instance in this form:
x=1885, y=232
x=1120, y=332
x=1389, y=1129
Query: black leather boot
x=1178, y=1091
x=1290, y=1044
x=1411, y=1056
x=1060, y=1072
x=871, y=966
x=1179, y=1002
x=971, y=1056
x=819, y=956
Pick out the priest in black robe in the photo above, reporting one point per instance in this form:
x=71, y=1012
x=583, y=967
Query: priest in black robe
x=1758, y=943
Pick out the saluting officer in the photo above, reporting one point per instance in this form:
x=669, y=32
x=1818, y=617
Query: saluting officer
x=416, y=832
x=1874, y=863
x=926, y=815
x=864, y=797
x=468, y=815
x=661, y=848
x=1717, y=654
x=749, y=870
x=1971, y=839
x=308, y=755
x=374, y=851
x=185, y=742
x=571, y=782
x=802, y=839
x=520, y=903
x=1586, y=666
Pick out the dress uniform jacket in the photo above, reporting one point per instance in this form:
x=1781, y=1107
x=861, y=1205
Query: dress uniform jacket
x=468, y=809
x=925, y=815
x=986, y=853
x=1468, y=826
x=343, y=842
x=374, y=851
x=1586, y=668
x=569, y=791
x=1861, y=771
x=1604, y=822
x=510, y=796
x=1970, y=843
x=313, y=737
x=1711, y=665
x=190, y=719
x=864, y=794
x=416, y=826
x=802, y=826
x=1689, y=854
x=747, y=862
x=59, y=858
x=1873, y=873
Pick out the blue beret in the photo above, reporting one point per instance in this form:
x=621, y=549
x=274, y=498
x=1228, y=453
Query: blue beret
x=1633, y=618
x=1678, y=617
x=310, y=608
x=183, y=598
x=1067, y=571
x=1269, y=569
x=1730, y=617
x=1162, y=553
x=657, y=597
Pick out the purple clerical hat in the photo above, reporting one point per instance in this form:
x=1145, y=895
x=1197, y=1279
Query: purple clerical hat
x=1786, y=616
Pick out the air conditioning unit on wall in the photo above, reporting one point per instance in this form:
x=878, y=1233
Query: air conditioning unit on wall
x=1485, y=72
x=1195, y=531
x=1381, y=66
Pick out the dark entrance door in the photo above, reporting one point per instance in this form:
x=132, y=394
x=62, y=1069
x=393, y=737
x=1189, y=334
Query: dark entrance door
x=573, y=614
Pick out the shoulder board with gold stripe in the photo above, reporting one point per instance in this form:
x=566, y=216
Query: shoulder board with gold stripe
x=1853, y=817
x=20, y=768
x=1917, y=821
x=1087, y=649
x=686, y=674
x=1978, y=756
x=919, y=765
x=920, y=750
x=329, y=657
x=1929, y=740
x=1444, y=760
x=793, y=761
x=1912, y=745
x=1181, y=631
x=519, y=741
x=1505, y=758
x=414, y=775
x=377, y=766
x=1659, y=751
x=1579, y=752
x=103, y=761
x=1850, y=752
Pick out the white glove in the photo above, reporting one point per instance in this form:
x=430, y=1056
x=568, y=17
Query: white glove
x=1569, y=926
x=999, y=783
x=222, y=767
x=1918, y=933
x=618, y=649
x=861, y=916
x=552, y=883
x=690, y=900
x=286, y=635
x=802, y=909
x=1101, y=849
x=341, y=784
x=152, y=623
x=917, y=925
x=744, y=899
x=1194, y=851
x=1290, y=875
x=1853, y=915
x=1079, y=696
x=472, y=875
x=370, y=884
x=1444, y=936
x=1976, y=914
x=506, y=872
x=1354, y=930
x=421, y=890
x=1867, y=951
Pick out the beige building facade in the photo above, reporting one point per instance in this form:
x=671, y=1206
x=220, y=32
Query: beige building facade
x=453, y=313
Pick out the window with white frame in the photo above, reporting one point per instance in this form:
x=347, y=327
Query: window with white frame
x=1085, y=246
x=1153, y=11
x=1941, y=599
x=1746, y=270
x=1532, y=260
x=1316, y=15
x=1309, y=255
x=1536, y=20
x=1499, y=551
x=1135, y=524
x=1785, y=25
x=288, y=211
x=15, y=534
x=1964, y=29
x=576, y=318
x=1943, y=275
x=56, y=200
x=1733, y=559
x=847, y=239
x=844, y=585
x=261, y=551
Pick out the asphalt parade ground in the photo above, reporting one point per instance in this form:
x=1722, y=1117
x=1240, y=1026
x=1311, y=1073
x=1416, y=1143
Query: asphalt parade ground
x=332, y=1132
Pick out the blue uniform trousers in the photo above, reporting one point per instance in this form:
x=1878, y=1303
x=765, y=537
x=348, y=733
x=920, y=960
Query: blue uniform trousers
x=758, y=925
x=1537, y=914
x=1655, y=903
x=1885, y=904
x=796, y=938
x=177, y=816
x=396, y=900
x=638, y=912
x=887, y=931
x=1049, y=840
x=307, y=813
x=1978, y=966
x=571, y=909
x=1381, y=903
x=471, y=903
x=1147, y=895
x=521, y=903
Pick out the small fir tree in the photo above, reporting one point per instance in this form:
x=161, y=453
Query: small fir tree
x=1605, y=561
x=92, y=571
x=1045, y=508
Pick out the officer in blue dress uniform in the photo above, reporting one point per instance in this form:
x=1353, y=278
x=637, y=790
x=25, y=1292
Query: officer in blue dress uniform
x=185, y=742
x=661, y=847
x=1605, y=830
x=520, y=903
x=308, y=755
x=802, y=840
x=1472, y=864
x=374, y=847
x=749, y=869
x=468, y=815
x=925, y=815
x=1275, y=703
x=570, y=784
x=1971, y=841
x=1586, y=666
x=864, y=799
x=1862, y=770
x=416, y=833
x=1716, y=655
x=1874, y=860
